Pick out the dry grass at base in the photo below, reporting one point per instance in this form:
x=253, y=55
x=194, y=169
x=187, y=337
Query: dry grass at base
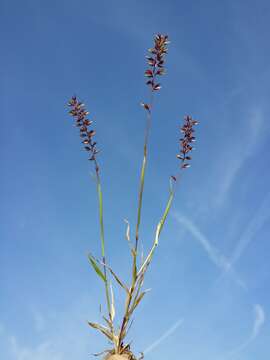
x=117, y=357
x=125, y=356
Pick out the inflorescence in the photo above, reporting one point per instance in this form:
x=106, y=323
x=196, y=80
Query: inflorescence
x=156, y=61
x=186, y=141
x=79, y=113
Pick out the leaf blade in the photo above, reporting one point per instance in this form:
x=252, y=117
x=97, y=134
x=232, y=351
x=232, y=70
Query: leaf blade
x=96, y=268
x=105, y=331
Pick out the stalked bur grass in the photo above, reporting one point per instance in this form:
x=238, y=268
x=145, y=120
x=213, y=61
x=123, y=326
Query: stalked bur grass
x=134, y=292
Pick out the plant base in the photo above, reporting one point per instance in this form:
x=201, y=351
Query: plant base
x=126, y=356
x=117, y=357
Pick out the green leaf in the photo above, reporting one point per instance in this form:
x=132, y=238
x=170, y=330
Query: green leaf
x=102, y=329
x=139, y=299
x=158, y=231
x=141, y=192
x=108, y=321
x=168, y=207
x=96, y=268
x=120, y=282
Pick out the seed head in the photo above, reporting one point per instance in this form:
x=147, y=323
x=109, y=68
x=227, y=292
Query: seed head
x=79, y=113
x=187, y=141
x=156, y=61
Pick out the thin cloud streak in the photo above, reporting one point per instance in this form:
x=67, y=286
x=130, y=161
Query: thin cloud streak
x=214, y=254
x=258, y=221
x=255, y=225
x=166, y=334
x=43, y=351
x=232, y=163
x=259, y=321
x=69, y=340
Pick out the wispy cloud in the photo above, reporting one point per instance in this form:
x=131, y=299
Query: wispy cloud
x=259, y=320
x=163, y=337
x=232, y=161
x=214, y=255
x=49, y=349
x=258, y=221
x=64, y=336
x=43, y=351
x=11, y=349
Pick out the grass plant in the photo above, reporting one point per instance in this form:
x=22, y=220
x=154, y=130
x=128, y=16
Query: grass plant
x=134, y=292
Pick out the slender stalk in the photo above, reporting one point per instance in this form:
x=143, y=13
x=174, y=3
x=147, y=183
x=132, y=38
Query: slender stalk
x=100, y=201
x=134, y=266
x=138, y=279
x=141, y=188
x=156, y=69
x=134, y=253
x=125, y=320
x=155, y=61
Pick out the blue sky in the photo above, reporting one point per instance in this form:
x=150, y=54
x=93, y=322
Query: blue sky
x=210, y=276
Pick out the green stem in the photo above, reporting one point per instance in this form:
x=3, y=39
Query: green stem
x=141, y=188
x=137, y=278
x=100, y=201
x=134, y=252
x=126, y=318
x=158, y=232
x=140, y=196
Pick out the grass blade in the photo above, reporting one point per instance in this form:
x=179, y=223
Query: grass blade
x=138, y=300
x=158, y=231
x=102, y=329
x=96, y=268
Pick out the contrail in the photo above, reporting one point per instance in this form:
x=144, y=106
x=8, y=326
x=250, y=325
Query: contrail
x=163, y=337
x=214, y=254
x=253, y=227
x=258, y=221
x=259, y=320
x=233, y=161
x=257, y=325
